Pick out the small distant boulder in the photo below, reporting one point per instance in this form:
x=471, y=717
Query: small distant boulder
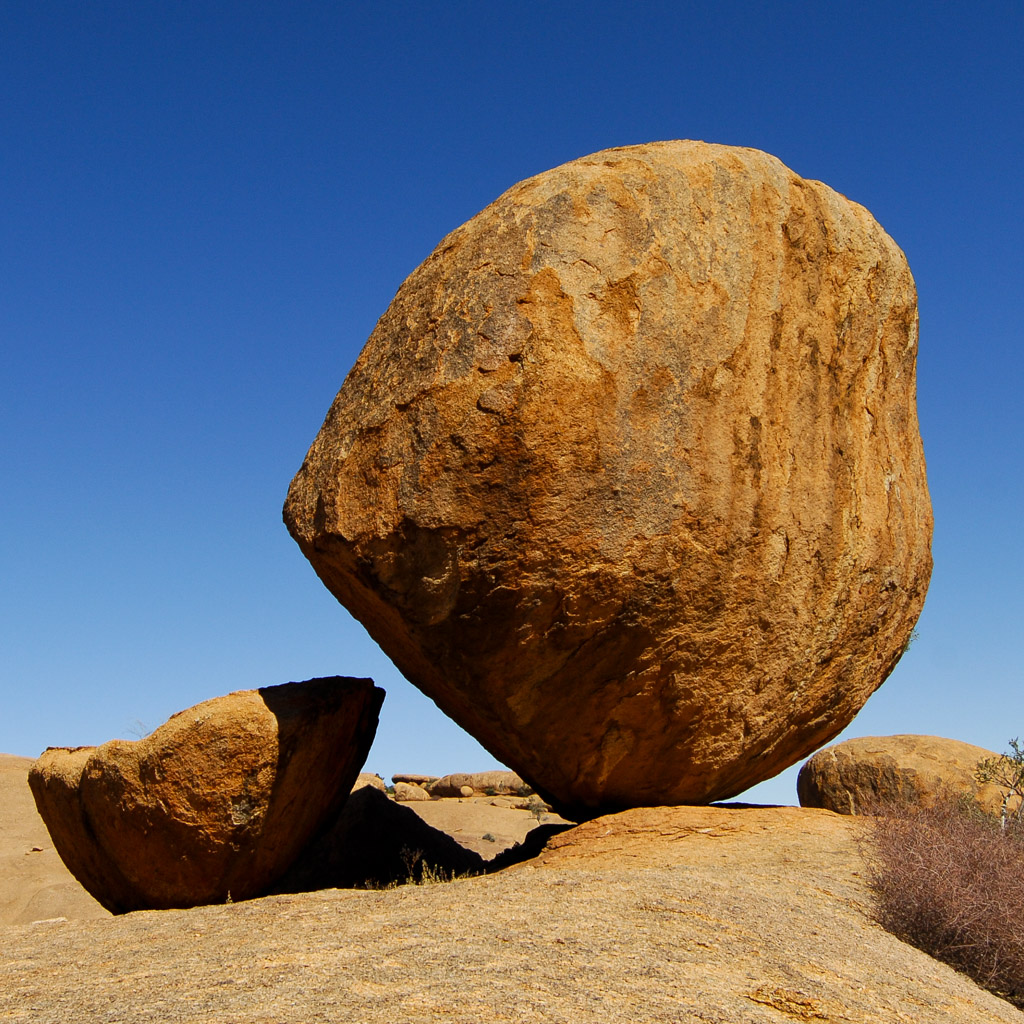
x=496, y=783
x=367, y=779
x=216, y=803
x=408, y=791
x=855, y=776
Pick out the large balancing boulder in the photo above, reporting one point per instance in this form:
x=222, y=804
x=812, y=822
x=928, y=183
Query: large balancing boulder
x=628, y=477
x=215, y=804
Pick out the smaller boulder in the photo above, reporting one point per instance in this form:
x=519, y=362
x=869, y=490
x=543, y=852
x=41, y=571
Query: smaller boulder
x=857, y=775
x=216, y=803
x=367, y=779
x=426, y=781
x=408, y=791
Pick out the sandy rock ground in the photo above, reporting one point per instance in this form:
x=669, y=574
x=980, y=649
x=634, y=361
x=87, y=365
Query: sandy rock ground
x=716, y=915
x=34, y=884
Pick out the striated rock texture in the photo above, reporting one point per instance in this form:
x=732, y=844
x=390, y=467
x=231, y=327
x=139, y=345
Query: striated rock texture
x=857, y=775
x=219, y=800
x=628, y=477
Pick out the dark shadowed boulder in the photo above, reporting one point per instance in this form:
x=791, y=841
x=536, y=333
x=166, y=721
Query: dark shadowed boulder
x=216, y=803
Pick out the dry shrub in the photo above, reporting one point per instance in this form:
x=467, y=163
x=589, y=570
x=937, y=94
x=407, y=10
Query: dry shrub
x=950, y=881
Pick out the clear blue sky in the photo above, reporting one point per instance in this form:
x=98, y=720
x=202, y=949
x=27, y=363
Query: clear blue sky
x=204, y=207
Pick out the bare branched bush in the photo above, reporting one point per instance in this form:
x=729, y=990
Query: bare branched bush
x=1007, y=772
x=950, y=881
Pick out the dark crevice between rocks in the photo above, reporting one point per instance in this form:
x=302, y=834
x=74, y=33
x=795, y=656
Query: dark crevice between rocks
x=375, y=843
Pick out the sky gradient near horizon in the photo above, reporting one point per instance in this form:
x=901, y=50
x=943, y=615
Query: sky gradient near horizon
x=204, y=208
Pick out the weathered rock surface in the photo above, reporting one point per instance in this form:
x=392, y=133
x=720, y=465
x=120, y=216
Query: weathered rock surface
x=489, y=826
x=856, y=775
x=496, y=783
x=219, y=800
x=628, y=477
x=656, y=916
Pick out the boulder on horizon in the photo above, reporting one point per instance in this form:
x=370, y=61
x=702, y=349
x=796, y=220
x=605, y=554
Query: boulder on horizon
x=868, y=773
x=493, y=783
x=408, y=791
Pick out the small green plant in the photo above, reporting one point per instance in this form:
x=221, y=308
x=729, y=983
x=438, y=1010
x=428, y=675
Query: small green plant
x=421, y=872
x=488, y=838
x=537, y=808
x=911, y=640
x=1007, y=772
x=432, y=875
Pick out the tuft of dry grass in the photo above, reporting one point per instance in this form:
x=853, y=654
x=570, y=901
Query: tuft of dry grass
x=948, y=880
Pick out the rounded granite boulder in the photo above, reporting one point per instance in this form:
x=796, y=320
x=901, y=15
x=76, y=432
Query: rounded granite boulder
x=215, y=804
x=628, y=477
x=872, y=773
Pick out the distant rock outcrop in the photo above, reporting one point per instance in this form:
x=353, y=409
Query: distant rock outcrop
x=628, y=478
x=216, y=803
x=858, y=775
x=496, y=783
x=416, y=780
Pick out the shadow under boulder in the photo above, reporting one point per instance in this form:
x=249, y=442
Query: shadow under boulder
x=374, y=842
